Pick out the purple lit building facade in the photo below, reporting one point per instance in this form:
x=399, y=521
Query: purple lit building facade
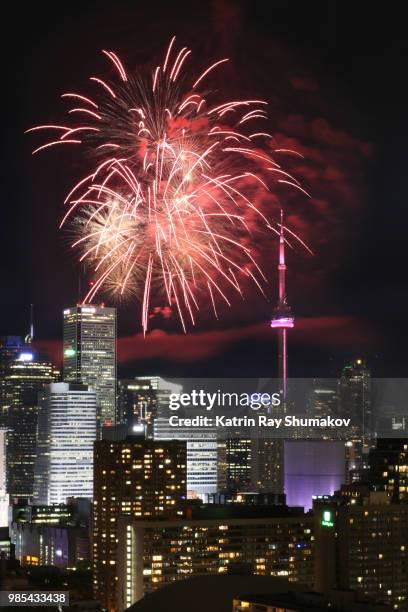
x=312, y=468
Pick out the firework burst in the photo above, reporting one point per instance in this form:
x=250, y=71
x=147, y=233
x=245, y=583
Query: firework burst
x=168, y=208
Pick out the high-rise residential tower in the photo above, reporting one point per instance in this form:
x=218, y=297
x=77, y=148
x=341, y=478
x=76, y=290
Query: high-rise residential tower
x=66, y=433
x=361, y=544
x=136, y=477
x=90, y=354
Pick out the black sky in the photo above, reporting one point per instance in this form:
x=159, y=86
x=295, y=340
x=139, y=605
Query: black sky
x=357, y=52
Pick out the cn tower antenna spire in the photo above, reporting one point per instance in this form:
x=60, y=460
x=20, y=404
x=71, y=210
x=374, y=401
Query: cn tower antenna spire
x=32, y=321
x=282, y=264
x=282, y=318
x=30, y=336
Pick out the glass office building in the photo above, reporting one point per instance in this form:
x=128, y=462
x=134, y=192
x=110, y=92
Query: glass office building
x=90, y=354
x=66, y=433
x=26, y=377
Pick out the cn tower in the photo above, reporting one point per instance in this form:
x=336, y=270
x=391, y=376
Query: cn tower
x=282, y=318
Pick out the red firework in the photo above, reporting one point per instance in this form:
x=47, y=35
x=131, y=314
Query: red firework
x=166, y=207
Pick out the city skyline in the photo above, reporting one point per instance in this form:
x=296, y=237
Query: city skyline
x=203, y=372
x=346, y=260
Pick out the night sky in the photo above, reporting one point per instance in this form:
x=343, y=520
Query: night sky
x=336, y=79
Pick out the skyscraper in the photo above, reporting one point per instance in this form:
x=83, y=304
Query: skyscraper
x=26, y=376
x=66, y=433
x=137, y=477
x=354, y=390
x=323, y=400
x=205, y=455
x=90, y=354
x=267, y=471
x=144, y=401
x=238, y=459
x=10, y=349
x=137, y=403
x=355, y=397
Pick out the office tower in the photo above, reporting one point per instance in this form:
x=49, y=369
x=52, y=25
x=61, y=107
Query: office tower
x=323, y=400
x=144, y=401
x=66, y=433
x=361, y=543
x=138, y=477
x=4, y=498
x=354, y=390
x=26, y=377
x=142, y=398
x=312, y=468
x=137, y=403
x=267, y=472
x=205, y=454
x=355, y=398
x=265, y=541
x=238, y=455
x=10, y=348
x=388, y=468
x=205, y=464
x=90, y=354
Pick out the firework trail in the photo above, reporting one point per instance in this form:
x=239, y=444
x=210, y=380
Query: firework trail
x=168, y=206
